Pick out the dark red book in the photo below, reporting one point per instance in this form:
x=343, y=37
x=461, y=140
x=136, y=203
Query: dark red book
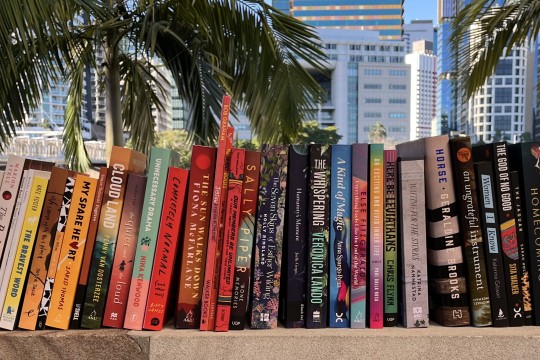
x=201, y=182
x=167, y=243
x=230, y=239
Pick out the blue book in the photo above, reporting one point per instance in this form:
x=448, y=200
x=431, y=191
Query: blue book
x=340, y=236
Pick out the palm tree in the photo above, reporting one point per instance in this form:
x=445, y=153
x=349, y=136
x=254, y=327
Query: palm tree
x=377, y=133
x=483, y=32
x=245, y=48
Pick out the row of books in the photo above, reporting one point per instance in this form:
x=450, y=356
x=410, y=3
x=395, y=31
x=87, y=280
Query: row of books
x=315, y=236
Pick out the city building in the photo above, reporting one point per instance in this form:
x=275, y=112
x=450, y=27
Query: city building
x=384, y=16
x=369, y=82
x=423, y=88
x=419, y=30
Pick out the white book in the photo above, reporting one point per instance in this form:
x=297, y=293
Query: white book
x=1, y=176
x=15, y=230
x=9, y=189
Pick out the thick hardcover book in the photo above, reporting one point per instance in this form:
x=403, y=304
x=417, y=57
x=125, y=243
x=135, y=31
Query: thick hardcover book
x=471, y=229
x=525, y=158
x=215, y=231
x=71, y=253
x=340, y=236
x=269, y=238
x=165, y=259
x=160, y=161
x=122, y=162
x=293, y=287
x=318, y=236
x=201, y=182
x=359, y=234
x=376, y=236
x=391, y=290
x=448, y=285
x=88, y=251
x=507, y=226
x=246, y=238
x=490, y=228
x=55, y=253
x=522, y=246
x=25, y=246
x=43, y=247
x=122, y=269
x=230, y=239
x=414, y=304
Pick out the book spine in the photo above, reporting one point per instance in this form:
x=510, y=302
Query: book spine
x=230, y=239
x=293, y=291
x=14, y=234
x=104, y=247
x=376, y=236
x=413, y=268
x=390, y=240
x=490, y=227
x=25, y=247
x=201, y=182
x=167, y=243
x=340, y=236
x=43, y=247
x=122, y=269
x=269, y=238
x=8, y=192
x=246, y=238
x=508, y=234
x=448, y=283
x=219, y=196
x=359, y=235
x=80, y=295
x=471, y=230
x=526, y=159
x=319, y=231
x=523, y=258
x=71, y=253
x=55, y=253
x=160, y=160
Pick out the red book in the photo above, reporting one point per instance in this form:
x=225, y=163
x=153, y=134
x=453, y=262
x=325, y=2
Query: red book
x=230, y=239
x=217, y=214
x=167, y=243
x=115, y=308
x=201, y=183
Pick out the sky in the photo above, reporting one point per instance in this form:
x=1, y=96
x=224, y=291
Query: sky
x=421, y=10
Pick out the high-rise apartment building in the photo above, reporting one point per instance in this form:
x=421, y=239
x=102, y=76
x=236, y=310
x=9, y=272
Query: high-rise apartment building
x=384, y=16
x=423, y=88
x=419, y=30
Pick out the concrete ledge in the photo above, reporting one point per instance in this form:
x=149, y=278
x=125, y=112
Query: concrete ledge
x=391, y=343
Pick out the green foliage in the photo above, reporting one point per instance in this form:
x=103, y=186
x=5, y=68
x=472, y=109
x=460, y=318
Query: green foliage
x=526, y=137
x=252, y=144
x=245, y=48
x=377, y=133
x=177, y=140
x=312, y=133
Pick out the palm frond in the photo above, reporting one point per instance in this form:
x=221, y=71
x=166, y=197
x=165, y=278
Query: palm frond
x=483, y=33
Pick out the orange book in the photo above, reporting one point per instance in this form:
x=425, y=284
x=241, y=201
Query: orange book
x=43, y=247
x=71, y=253
x=167, y=243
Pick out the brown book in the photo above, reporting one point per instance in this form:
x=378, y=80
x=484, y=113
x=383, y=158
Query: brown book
x=199, y=197
x=44, y=243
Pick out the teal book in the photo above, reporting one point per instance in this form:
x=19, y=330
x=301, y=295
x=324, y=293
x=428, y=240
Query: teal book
x=158, y=168
x=340, y=236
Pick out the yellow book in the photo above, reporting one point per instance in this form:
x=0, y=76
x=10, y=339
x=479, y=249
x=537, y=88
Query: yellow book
x=71, y=253
x=24, y=251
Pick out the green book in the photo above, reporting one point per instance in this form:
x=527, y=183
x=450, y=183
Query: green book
x=160, y=161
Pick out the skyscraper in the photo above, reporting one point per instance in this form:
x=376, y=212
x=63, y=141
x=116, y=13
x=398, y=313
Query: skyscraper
x=385, y=16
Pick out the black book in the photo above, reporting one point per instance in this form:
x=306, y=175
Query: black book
x=293, y=300
x=490, y=228
x=319, y=234
x=525, y=158
x=507, y=226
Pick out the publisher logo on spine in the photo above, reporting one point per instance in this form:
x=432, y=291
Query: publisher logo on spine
x=464, y=155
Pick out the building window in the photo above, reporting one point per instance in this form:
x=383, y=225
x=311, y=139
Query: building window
x=397, y=87
x=396, y=72
x=356, y=58
x=373, y=72
x=373, y=86
x=503, y=95
x=397, y=115
x=504, y=67
x=503, y=122
x=373, y=101
x=397, y=101
x=371, y=48
x=396, y=59
x=372, y=114
x=331, y=46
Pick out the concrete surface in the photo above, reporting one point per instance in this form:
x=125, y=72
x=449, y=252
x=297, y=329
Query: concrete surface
x=391, y=343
